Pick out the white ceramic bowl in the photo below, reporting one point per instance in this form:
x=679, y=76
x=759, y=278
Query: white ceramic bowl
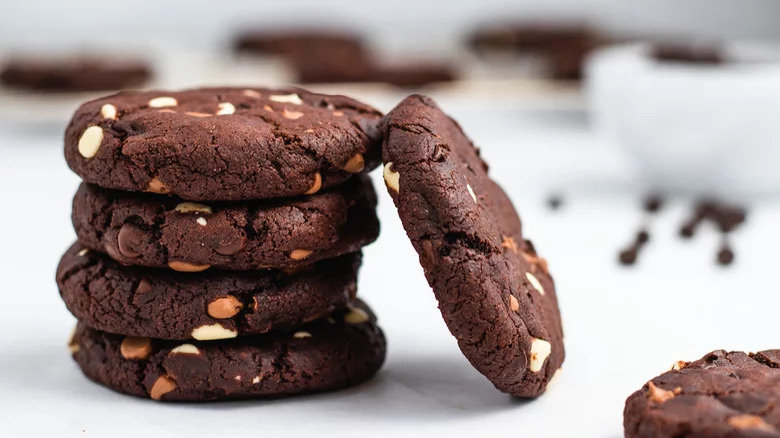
x=692, y=128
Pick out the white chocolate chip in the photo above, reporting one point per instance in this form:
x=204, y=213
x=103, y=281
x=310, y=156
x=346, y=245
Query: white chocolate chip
x=356, y=316
x=73, y=345
x=287, y=98
x=108, y=111
x=301, y=335
x=534, y=282
x=201, y=221
x=226, y=108
x=471, y=192
x=300, y=254
x=256, y=380
x=237, y=378
x=660, y=395
x=292, y=115
x=185, y=349
x=680, y=364
x=514, y=305
x=83, y=252
x=212, y=332
x=747, y=421
x=540, y=350
x=162, y=102
x=251, y=93
x=188, y=207
x=197, y=114
x=90, y=140
x=391, y=177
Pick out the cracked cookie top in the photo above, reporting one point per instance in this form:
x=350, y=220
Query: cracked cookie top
x=723, y=394
x=214, y=144
x=495, y=293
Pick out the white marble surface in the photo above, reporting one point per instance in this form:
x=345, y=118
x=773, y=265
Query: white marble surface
x=623, y=326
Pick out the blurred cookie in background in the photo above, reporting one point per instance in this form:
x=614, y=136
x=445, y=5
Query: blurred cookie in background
x=339, y=56
x=74, y=74
x=286, y=42
x=562, y=47
x=689, y=53
x=405, y=75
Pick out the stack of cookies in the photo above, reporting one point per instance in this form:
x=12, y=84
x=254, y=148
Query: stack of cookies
x=219, y=236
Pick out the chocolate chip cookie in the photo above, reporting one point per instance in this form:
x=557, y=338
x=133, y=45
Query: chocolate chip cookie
x=724, y=394
x=494, y=291
x=224, y=144
x=161, y=231
x=205, y=306
x=78, y=74
x=343, y=350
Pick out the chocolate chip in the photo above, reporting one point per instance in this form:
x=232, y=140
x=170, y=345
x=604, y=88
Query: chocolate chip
x=688, y=230
x=653, y=203
x=130, y=238
x=554, y=202
x=629, y=256
x=725, y=255
x=233, y=247
x=728, y=217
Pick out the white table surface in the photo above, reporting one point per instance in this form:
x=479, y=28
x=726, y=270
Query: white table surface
x=623, y=326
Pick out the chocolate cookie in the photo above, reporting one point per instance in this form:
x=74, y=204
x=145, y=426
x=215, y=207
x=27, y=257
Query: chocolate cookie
x=205, y=306
x=222, y=143
x=76, y=75
x=413, y=74
x=161, y=231
x=494, y=291
x=344, y=350
x=292, y=42
x=688, y=53
x=724, y=394
x=563, y=46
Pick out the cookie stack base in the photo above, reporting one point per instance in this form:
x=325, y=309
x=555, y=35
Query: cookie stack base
x=342, y=350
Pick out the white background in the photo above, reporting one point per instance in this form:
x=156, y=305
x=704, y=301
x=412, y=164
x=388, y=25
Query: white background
x=622, y=325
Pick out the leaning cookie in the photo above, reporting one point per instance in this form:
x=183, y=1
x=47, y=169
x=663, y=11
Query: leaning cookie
x=344, y=350
x=161, y=231
x=206, y=306
x=222, y=143
x=722, y=395
x=494, y=292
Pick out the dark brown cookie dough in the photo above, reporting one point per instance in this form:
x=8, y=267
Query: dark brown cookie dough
x=494, y=291
x=74, y=74
x=205, y=306
x=346, y=349
x=722, y=395
x=222, y=143
x=161, y=231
